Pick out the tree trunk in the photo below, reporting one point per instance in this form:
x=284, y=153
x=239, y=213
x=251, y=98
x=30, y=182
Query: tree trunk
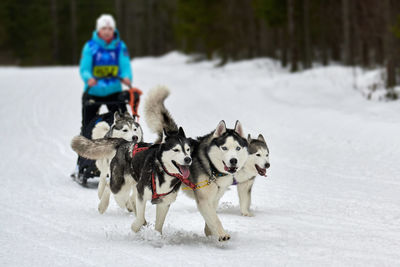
x=379, y=52
x=346, y=32
x=307, y=41
x=127, y=22
x=55, y=30
x=150, y=26
x=365, y=54
x=119, y=13
x=74, y=38
x=136, y=30
x=283, y=40
x=324, y=29
x=292, y=37
x=388, y=47
x=268, y=40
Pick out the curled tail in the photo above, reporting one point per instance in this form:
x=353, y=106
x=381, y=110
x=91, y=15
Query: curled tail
x=156, y=114
x=95, y=149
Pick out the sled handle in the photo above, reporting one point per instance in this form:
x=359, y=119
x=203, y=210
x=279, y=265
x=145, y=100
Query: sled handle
x=134, y=100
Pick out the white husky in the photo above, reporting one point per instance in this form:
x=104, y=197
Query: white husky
x=257, y=164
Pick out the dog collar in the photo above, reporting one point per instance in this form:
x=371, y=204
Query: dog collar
x=215, y=173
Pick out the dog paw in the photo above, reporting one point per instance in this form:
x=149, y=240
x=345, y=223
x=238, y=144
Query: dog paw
x=101, y=208
x=136, y=225
x=247, y=214
x=225, y=237
x=158, y=229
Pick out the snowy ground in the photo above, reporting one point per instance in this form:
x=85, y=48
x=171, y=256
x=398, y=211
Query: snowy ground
x=332, y=196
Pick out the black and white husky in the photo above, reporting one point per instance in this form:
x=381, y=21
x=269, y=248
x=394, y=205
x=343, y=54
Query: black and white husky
x=217, y=157
x=257, y=164
x=152, y=172
x=123, y=126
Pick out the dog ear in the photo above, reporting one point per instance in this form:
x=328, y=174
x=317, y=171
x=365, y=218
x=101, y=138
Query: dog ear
x=117, y=116
x=221, y=129
x=261, y=138
x=165, y=132
x=127, y=114
x=239, y=129
x=165, y=135
x=181, y=132
x=248, y=138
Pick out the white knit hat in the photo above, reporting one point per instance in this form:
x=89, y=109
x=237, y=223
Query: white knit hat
x=105, y=20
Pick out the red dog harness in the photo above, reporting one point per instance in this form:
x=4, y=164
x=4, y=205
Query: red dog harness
x=137, y=149
x=186, y=181
x=154, y=186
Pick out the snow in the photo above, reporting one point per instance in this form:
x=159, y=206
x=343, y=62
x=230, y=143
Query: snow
x=331, y=197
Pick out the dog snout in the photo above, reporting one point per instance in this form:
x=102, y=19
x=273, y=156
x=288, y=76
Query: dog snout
x=188, y=160
x=267, y=165
x=233, y=161
x=134, y=138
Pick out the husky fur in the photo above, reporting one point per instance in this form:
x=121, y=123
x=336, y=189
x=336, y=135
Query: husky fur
x=100, y=150
x=124, y=126
x=127, y=172
x=257, y=164
x=117, y=125
x=158, y=117
x=217, y=157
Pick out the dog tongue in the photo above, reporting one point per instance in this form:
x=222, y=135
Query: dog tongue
x=185, y=171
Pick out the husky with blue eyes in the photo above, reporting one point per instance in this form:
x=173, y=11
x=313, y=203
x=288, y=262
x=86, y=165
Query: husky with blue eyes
x=217, y=158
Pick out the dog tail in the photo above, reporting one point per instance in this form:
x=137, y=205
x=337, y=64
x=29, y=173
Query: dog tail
x=156, y=114
x=95, y=149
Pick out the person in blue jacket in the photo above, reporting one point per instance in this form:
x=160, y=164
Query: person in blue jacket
x=104, y=65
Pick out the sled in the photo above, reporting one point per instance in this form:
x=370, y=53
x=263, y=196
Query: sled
x=86, y=168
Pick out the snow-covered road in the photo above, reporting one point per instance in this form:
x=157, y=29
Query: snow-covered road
x=332, y=196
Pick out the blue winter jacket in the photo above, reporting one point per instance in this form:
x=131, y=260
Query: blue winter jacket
x=106, y=63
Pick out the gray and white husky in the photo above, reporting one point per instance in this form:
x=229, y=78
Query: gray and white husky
x=257, y=164
x=217, y=157
x=153, y=172
x=124, y=126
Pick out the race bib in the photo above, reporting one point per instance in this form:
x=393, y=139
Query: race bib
x=105, y=71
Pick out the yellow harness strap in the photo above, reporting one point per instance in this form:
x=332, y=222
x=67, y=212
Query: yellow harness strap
x=198, y=185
